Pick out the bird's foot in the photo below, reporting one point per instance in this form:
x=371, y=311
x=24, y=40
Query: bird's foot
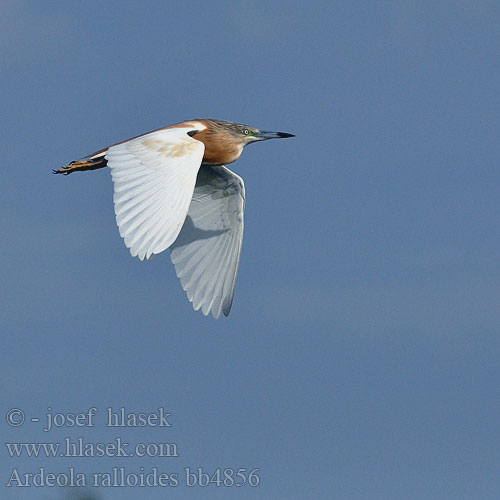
x=81, y=165
x=74, y=165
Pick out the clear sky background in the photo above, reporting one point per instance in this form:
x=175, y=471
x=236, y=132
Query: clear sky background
x=361, y=358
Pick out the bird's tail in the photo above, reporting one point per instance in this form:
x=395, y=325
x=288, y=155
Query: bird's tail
x=81, y=165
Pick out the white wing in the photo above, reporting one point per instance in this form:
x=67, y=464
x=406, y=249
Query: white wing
x=207, y=252
x=154, y=177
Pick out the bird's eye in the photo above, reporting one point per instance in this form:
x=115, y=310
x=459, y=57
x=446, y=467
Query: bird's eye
x=246, y=132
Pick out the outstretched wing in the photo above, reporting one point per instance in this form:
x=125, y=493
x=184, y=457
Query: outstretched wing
x=154, y=177
x=207, y=252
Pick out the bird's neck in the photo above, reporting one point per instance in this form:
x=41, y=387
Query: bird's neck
x=219, y=150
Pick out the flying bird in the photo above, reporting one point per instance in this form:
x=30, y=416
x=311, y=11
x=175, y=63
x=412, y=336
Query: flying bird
x=173, y=190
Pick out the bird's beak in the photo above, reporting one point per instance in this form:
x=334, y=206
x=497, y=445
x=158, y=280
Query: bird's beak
x=263, y=135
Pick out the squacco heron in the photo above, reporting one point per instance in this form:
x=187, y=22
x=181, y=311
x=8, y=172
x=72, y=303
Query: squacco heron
x=172, y=190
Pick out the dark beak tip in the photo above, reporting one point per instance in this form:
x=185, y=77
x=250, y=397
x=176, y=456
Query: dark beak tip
x=285, y=134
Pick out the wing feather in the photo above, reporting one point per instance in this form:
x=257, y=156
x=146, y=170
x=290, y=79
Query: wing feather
x=207, y=251
x=154, y=177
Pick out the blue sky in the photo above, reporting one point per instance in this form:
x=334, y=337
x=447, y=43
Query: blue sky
x=360, y=360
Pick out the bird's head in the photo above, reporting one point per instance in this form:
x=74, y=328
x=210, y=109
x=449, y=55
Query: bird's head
x=244, y=134
x=224, y=141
